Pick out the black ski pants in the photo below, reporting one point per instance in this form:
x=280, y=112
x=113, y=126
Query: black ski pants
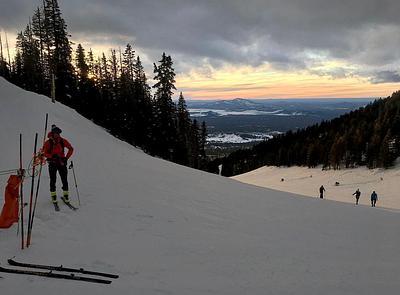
x=63, y=171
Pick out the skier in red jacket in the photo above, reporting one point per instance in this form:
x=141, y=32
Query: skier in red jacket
x=53, y=150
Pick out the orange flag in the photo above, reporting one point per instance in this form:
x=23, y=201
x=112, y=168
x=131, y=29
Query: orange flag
x=9, y=214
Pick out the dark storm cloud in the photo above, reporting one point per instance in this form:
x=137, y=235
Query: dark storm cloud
x=284, y=33
x=14, y=14
x=386, y=77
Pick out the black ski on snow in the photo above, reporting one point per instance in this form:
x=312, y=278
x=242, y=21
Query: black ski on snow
x=50, y=274
x=69, y=204
x=62, y=268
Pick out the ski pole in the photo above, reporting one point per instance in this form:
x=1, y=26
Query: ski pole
x=28, y=237
x=21, y=172
x=38, y=183
x=71, y=166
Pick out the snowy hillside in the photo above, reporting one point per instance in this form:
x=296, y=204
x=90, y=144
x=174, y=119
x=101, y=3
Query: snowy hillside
x=339, y=184
x=167, y=229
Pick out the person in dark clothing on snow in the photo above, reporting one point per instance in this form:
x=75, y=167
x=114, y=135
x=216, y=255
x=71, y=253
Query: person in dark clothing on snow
x=357, y=193
x=53, y=150
x=374, y=198
x=321, y=192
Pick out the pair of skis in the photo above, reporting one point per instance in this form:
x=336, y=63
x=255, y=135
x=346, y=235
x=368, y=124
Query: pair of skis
x=51, y=274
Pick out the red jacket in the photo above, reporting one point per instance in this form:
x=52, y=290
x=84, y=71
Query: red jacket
x=54, y=146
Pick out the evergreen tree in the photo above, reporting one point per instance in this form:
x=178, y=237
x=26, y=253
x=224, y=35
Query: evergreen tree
x=39, y=33
x=127, y=101
x=85, y=98
x=164, y=129
x=184, y=132
x=114, y=68
x=195, y=145
x=17, y=73
x=112, y=90
x=387, y=151
x=144, y=115
x=59, y=50
x=129, y=62
x=91, y=65
x=81, y=65
x=30, y=59
x=396, y=131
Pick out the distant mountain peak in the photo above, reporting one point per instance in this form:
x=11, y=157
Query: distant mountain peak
x=238, y=101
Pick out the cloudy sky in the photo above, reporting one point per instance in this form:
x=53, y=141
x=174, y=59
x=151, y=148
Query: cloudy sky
x=250, y=49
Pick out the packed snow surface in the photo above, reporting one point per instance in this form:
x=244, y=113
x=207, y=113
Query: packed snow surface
x=167, y=229
x=339, y=184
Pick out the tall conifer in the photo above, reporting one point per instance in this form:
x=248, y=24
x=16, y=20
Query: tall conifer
x=165, y=111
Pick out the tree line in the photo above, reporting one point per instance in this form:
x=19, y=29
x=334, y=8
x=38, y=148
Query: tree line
x=112, y=91
x=369, y=136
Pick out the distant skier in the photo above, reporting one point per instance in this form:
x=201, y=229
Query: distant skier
x=357, y=193
x=53, y=150
x=321, y=192
x=374, y=198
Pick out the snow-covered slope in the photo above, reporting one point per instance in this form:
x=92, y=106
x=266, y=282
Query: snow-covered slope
x=168, y=229
x=306, y=181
